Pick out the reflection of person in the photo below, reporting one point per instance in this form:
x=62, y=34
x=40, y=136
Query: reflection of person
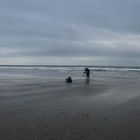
x=87, y=72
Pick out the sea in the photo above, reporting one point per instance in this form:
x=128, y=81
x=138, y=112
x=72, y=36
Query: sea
x=55, y=72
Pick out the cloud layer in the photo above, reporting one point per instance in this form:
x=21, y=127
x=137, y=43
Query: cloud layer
x=93, y=32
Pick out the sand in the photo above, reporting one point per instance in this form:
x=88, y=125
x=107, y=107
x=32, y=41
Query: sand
x=35, y=109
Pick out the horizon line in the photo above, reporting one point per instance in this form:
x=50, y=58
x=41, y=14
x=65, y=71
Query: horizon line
x=50, y=65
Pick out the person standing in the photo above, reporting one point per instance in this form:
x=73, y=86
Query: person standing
x=87, y=72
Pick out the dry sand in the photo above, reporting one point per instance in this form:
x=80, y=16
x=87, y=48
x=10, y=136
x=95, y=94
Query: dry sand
x=34, y=109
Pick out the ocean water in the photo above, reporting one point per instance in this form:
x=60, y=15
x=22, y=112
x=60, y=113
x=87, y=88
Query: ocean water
x=76, y=72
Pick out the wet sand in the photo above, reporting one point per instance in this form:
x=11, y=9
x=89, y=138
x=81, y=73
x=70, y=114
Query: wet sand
x=34, y=109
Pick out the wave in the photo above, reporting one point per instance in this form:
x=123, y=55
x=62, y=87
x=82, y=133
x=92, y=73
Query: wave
x=117, y=69
x=71, y=68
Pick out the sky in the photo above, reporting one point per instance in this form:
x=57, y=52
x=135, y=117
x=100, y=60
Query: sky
x=70, y=32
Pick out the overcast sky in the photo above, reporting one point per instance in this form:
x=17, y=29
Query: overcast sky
x=73, y=32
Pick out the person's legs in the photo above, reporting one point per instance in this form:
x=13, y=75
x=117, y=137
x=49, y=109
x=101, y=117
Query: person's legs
x=87, y=77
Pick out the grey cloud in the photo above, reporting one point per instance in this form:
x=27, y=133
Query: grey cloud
x=66, y=49
x=113, y=15
x=64, y=28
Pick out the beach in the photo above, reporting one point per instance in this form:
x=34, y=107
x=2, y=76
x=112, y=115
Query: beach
x=35, y=108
